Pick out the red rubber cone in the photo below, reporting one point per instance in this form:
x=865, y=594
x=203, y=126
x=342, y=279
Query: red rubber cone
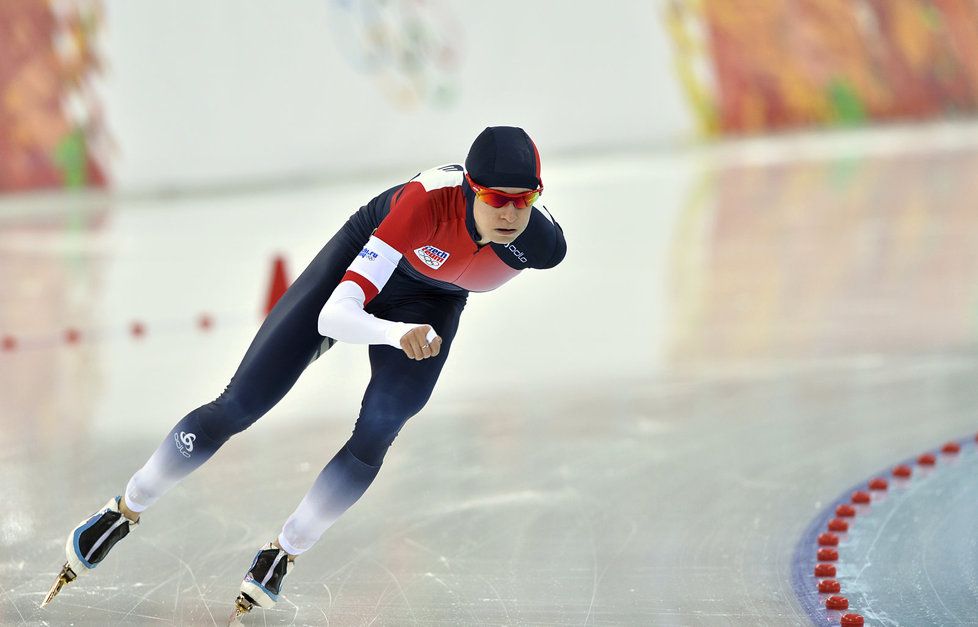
x=280, y=283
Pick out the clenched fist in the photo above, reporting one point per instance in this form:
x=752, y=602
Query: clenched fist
x=421, y=343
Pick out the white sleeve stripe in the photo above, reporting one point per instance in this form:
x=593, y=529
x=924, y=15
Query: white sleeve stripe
x=376, y=262
x=382, y=247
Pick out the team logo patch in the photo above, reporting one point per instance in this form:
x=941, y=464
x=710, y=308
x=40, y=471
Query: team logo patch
x=431, y=256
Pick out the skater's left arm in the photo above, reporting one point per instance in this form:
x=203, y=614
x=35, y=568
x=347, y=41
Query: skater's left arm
x=550, y=238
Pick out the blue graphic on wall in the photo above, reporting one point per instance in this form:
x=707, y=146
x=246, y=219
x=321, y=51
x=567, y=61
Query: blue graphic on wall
x=411, y=47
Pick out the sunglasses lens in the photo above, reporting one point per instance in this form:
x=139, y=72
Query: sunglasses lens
x=527, y=200
x=493, y=199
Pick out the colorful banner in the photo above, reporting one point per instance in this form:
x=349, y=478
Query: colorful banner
x=760, y=65
x=51, y=127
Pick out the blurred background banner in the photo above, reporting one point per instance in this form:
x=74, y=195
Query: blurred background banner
x=761, y=65
x=52, y=131
x=225, y=93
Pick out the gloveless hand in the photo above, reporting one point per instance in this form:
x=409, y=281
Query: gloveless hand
x=416, y=343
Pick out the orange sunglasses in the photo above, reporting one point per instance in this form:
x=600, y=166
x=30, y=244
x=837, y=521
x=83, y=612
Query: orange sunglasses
x=498, y=199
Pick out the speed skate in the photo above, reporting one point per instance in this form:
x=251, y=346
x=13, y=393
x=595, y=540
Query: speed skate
x=89, y=543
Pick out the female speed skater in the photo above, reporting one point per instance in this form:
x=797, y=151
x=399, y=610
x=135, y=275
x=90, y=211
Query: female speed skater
x=396, y=277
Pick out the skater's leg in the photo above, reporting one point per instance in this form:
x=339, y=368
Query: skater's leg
x=339, y=485
x=281, y=350
x=399, y=387
x=283, y=347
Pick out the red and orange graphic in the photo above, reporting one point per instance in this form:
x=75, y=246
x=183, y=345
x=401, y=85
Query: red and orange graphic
x=758, y=65
x=51, y=124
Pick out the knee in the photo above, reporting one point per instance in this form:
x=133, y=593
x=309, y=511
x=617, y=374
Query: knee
x=393, y=406
x=381, y=419
x=372, y=436
x=229, y=414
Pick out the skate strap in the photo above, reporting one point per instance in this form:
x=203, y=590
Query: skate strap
x=104, y=536
x=271, y=569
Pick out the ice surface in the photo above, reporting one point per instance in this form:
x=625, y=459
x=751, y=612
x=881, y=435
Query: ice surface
x=639, y=436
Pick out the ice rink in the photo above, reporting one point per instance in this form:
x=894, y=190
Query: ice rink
x=644, y=435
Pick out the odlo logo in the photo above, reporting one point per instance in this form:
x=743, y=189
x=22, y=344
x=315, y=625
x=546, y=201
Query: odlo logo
x=185, y=442
x=516, y=251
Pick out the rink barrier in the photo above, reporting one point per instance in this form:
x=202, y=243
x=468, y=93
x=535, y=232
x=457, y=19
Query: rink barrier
x=818, y=551
x=278, y=283
x=73, y=336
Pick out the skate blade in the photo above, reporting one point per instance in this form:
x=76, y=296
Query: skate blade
x=66, y=576
x=241, y=607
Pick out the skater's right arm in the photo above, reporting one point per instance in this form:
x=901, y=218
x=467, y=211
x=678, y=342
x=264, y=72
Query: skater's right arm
x=343, y=317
